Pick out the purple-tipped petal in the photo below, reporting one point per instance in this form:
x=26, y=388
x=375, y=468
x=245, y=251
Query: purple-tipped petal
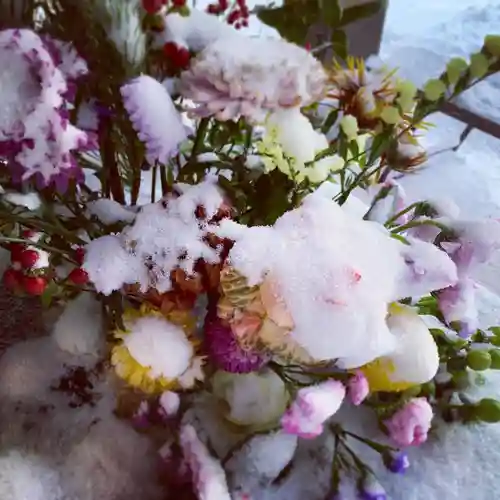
x=154, y=117
x=225, y=351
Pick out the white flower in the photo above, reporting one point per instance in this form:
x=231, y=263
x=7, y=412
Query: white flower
x=154, y=117
x=290, y=144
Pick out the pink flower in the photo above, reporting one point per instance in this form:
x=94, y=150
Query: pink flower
x=312, y=407
x=358, y=388
x=154, y=117
x=409, y=425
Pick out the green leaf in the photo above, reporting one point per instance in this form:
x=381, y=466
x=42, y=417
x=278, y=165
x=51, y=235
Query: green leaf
x=479, y=65
x=495, y=330
x=455, y=68
x=330, y=121
x=331, y=13
x=492, y=44
x=49, y=294
x=358, y=12
x=390, y=115
x=340, y=44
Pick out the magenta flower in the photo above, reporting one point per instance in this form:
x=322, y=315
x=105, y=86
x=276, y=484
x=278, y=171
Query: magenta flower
x=154, y=117
x=357, y=388
x=232, y=79
x=37, y=83
x=225, y=351
x=409, y=425
x=312, y=407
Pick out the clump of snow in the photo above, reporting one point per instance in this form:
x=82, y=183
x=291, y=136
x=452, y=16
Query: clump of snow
x=27, y=477
x=29, y=200
x=78, y=329
x=109, y=211
x=110, y=266
x=260, y=460
x=170, y=403
x=334, y=268
x=160, y=345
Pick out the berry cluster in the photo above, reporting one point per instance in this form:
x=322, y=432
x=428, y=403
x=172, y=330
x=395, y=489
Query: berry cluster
x=29, y=270
x=28, y=266
x=238, y=13
x=177, y=55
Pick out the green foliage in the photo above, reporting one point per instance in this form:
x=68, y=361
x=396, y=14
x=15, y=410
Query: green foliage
x=479, y=360
x=294, y=19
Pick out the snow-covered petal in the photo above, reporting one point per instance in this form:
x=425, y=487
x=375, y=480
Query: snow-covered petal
x=109, y=211
x=250, y=77
x=170, y=403
x=458, y=305
x=209, y=477
x=312, y=407
x=427, y=268
x=35, y=133
x=154, y=117
x=415, y=358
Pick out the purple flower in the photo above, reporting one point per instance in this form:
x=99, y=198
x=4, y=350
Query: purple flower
x=396, y=461
x=154, y=117
x=371, y=489
x=226, y=352
x=35, y=134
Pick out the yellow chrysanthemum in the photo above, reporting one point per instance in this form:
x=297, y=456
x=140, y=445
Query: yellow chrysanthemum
x=415, y=359
x=177, y=328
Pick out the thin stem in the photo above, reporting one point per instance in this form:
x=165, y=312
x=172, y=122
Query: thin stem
x=412, y=224
x=394, y=218
x=154, y=174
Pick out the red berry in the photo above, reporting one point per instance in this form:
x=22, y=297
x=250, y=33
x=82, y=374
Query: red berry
x=244, y=11
x=29, y=258
x=79, y=255
x=152, y=6
x=170, y=50
x=241, y=3
x=178, y=3
x=244, y=22
x=79, y=276
x=213, y=9
x=223, y=5
x=237, y=26
x=16, y=250
x=34, y=285
x=27, y=234
x=11, y=278
x=182, y=58
x=233, y=16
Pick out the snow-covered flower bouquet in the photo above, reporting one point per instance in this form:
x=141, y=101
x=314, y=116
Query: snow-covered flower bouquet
x=234, y=205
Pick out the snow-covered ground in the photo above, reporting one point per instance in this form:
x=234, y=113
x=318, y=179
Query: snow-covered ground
x=90, y=455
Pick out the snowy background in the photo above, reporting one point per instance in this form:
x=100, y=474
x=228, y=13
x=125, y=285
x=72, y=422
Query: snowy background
x=89, y=455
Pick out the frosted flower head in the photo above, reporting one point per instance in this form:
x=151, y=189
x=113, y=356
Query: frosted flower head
x=409, y=425
x=312, y=407
x=361, y=93
x=155, y=354
x=35, y=132
x=225, y=351
x=415, y=358
x=254, y=400
x=396, y=461
x=154, y=117
x=250, y=77
x=371, y=489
